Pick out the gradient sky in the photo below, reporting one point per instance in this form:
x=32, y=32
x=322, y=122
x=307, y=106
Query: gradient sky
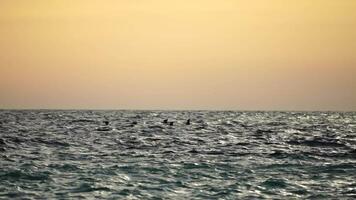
x=178, y=54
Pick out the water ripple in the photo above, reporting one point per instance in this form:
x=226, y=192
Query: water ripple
x=226, y=155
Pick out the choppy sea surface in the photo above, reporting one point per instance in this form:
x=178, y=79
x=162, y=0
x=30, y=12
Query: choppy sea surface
x=221, y=155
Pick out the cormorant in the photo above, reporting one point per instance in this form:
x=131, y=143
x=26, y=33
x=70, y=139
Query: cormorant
x=188, y=122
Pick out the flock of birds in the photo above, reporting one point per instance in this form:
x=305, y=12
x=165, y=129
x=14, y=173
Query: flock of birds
x=172, y=123
x=166, y=121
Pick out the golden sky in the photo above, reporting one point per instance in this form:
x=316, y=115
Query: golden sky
x=178, y=54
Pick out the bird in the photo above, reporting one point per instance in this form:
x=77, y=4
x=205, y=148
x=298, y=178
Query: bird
x=188, y=122
x=171, y=123
x=106, y=123
x=165, y=121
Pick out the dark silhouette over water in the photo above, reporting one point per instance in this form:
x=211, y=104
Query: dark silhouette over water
x=188, y=122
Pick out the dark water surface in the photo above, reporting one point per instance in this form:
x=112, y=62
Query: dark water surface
x=221, y=155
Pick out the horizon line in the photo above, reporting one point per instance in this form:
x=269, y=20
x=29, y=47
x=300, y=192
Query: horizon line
x=174, y=110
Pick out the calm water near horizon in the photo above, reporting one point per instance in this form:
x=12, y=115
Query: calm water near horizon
x=48, y=154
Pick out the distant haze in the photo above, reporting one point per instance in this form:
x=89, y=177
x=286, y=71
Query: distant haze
x=177, y=54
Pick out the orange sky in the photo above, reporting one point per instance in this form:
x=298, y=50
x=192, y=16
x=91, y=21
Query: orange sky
x=177, y=54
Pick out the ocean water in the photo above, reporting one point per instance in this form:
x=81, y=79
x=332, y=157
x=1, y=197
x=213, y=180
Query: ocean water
x=221, y=155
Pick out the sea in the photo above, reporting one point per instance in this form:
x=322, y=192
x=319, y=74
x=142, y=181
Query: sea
x=93, y=154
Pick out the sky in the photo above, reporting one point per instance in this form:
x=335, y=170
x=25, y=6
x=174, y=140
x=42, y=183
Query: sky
x=178, y=54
